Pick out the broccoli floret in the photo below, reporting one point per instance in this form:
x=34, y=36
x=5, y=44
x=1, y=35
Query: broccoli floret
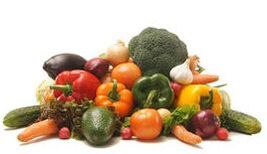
x=157, y=51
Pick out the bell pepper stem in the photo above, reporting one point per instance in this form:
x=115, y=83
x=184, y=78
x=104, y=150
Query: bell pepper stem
x=113, y=94
x=66, y=89
x=150, y=97
x=207, y=102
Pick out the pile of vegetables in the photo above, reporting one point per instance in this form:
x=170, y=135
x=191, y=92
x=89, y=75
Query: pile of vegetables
x=150, y=89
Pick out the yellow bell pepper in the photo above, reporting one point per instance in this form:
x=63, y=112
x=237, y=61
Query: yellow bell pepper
x=193, y=94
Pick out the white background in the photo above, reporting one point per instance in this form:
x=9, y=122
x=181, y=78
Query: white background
x=228, y=36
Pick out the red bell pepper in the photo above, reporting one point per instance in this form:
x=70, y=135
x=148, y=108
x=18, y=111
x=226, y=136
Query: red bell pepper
x=75, y=85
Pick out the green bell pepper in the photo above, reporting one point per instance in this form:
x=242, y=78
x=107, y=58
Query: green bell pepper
x=153, y=92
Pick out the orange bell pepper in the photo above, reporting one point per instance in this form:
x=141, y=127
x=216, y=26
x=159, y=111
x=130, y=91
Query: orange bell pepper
x=113, y=94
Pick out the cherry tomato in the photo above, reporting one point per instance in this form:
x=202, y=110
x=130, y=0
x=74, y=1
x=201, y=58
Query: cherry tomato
x=146, y=124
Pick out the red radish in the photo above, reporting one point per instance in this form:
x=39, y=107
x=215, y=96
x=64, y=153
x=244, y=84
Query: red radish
x=126, y=134
x=97, y=66
x=64, y=133
x=222, y=134
x=176, y=88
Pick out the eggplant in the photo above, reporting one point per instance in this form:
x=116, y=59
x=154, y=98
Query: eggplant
x=63, y=62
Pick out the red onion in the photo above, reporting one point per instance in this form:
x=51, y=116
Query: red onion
x=97, y=66
x=205, y=123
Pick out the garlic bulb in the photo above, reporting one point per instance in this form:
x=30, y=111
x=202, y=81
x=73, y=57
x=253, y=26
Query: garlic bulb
x=182, y=73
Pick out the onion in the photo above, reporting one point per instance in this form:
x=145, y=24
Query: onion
x=117, y=53
x=205, y=123
x=97, y=66
x=106, y=78
x=164, y=113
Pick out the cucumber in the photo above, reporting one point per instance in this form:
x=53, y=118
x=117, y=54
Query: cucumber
x=240, y=122
x=21, y=117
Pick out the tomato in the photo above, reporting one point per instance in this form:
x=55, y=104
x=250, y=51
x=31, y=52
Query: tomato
x=126, y=73
x=146, y=124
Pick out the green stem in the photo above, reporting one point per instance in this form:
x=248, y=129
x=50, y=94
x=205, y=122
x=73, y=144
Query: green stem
x=207, y=102
x=113, y=94
x=150, y=97
x=66, y=89
x=200, y=69
x=221, y=85
x=103, y=55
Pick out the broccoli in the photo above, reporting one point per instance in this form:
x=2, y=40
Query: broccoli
x=157, y=51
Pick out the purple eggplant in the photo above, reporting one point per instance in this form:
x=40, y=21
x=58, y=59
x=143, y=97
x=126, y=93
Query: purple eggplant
x=62, y=62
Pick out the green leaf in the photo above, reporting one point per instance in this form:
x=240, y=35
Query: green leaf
x=181, y=116
x=126, y=122
x=67, y=114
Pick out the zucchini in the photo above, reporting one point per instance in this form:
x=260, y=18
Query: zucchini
x=240, y=122
x=21, y=117
x=226, y=101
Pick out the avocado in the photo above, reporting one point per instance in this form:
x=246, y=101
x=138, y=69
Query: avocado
x=98, y=125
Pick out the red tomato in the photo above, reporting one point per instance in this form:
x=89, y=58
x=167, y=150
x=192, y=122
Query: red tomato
x=146, y=124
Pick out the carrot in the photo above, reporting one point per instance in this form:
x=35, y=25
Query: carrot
x=197, y=77
x=182, y=134
x=42, y=128
x=204, y=78
x=194, y=60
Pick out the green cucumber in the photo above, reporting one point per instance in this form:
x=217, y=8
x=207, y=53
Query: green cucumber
x=21, y=117
x=240, y=122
